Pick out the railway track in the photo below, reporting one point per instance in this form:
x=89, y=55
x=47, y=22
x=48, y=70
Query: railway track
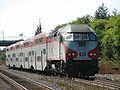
x=21, y=83
x=108, y=84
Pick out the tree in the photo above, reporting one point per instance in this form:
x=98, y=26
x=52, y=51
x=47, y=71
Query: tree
x=77, y=21
x=86, y=19
x=83, y=20
x=39, y=29
x=111, y=39
x=102, y=12
x=60, y=26
x=114, y=12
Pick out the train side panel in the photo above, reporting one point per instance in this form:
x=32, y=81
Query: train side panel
x=53, y=50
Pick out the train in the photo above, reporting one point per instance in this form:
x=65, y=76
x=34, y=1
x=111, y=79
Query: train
x=72, y=50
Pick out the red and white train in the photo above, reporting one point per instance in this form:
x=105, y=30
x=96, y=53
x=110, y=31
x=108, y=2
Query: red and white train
x=72, y=49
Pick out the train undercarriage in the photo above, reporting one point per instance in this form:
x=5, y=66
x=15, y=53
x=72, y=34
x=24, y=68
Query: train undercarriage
x=73, y=69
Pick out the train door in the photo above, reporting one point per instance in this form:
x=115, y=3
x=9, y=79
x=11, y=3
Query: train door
x=38, y=60
x=30, y=59
x=41, y=60
x=26, y=60
x=17, y=62
x=22, y=60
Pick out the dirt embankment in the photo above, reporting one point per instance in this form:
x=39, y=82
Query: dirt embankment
x=108, y=69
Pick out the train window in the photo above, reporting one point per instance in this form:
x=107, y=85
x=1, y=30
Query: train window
x=32, y=52
x=77, y=36
x=11, y=48
x=81, y=36
x=92, y=36
x=69, y=37
x=26, y=59
x=26, y=44
x=8, y=55
x=40, y=39
x=13, y=55
x=44, y=51
x=36, y=41
x=21, y=54
x=85, y=37
x=38, y=58
x=16, y=59
x=17, y=46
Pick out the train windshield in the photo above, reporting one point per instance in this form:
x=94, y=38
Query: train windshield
x=80, y=36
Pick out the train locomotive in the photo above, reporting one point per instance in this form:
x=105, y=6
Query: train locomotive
x=72, y=50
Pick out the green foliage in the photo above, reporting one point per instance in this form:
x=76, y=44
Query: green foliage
x=111, y=39
x=60, y=26
x=102, y=12
x=99, y=26
x=77, y=21
x=84, y=20
x=2, y=55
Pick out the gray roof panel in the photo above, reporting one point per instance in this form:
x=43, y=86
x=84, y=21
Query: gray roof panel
x=76, y=28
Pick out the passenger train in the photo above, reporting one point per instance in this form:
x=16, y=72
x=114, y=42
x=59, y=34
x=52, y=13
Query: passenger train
x=72, y=49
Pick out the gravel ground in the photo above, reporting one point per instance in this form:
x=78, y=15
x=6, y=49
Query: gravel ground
x=4, y=85
x=113, y=77
x=56, y=82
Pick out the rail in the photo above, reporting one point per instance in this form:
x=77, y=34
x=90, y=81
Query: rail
x=22, y=83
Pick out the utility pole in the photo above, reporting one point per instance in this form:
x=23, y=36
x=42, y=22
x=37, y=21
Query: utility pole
x=2, y=35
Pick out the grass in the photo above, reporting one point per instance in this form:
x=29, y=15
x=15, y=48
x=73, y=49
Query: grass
x=2, y=62
x=109, y=66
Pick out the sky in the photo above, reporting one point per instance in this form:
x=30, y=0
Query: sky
x=22, y=16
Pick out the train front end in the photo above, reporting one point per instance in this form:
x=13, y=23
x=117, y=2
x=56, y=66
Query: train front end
x=81, y=50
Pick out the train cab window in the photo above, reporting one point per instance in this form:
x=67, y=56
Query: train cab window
x=85, y=37
x=92, y=36
x=81, y=36
x=69, y=37
x=77, y=36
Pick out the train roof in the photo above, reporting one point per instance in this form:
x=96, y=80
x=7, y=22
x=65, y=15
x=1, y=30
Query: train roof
x=76, y=28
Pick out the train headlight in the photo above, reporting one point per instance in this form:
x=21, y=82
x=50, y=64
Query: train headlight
x=69, y=54
x=73, y=54
x=91, y=54
x=94, y=54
